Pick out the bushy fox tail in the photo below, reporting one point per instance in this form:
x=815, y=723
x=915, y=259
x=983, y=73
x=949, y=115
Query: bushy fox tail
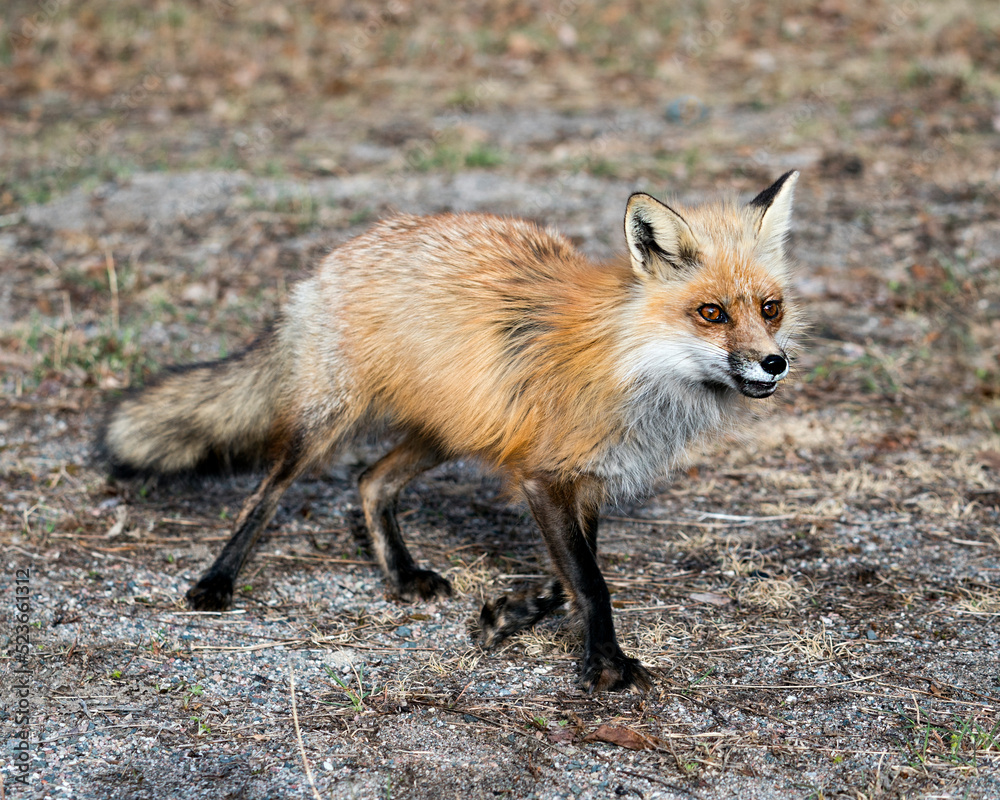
x=211, y=417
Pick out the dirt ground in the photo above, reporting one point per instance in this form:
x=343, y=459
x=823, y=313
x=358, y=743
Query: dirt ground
x=818, y=598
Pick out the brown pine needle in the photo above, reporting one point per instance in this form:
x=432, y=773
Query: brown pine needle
x=298, y=733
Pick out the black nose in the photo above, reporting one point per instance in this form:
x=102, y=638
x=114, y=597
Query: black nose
x=774, y=365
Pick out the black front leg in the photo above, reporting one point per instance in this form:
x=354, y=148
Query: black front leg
x=516, y=611
x=567, y=516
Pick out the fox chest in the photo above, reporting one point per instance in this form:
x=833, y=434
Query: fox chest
x=654, y=435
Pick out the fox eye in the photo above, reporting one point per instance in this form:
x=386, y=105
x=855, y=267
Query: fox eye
x=713, y=313
x=770, y=309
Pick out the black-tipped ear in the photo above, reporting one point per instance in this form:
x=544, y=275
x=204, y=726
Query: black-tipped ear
x=657, y=236
x=773, y=211
x=764, y=200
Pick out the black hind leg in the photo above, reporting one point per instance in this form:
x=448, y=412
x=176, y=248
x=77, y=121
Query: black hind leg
x=214, y=591
x=380, y=486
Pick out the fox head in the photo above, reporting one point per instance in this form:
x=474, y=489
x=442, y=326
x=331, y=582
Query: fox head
x=714, y=308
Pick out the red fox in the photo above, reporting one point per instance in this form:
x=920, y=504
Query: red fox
x=470, y=335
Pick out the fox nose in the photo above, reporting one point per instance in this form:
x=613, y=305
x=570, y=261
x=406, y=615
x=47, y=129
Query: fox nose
x=774, y=365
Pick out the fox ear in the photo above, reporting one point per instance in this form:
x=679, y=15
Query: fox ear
x=772, y=210
x=657, y=236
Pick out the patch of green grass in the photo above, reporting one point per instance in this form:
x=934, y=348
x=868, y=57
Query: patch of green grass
x=67, y=166
x=874, y=374
x=692, y=158
x=6, y=51
x=917, y=75
x=602, y=168
x=482, y=155
x=958, y=742
x=704, y=676
x=361, y=215
x=83, y=354
x=356, y=697
x=597, y=166
x=160, y=305
x=43, y=184
x=452, y=156
x=190, y=695
x=109, y=351
x=176, y=16
x=427, y=157
x=274, y=168
x=301, y=210
x=463, y=98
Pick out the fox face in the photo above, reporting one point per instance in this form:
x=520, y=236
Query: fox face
x=737, y=326
x=714, y=311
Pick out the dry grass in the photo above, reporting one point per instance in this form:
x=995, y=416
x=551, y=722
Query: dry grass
x=773, y=593
x=982, y=602
x=817, y=646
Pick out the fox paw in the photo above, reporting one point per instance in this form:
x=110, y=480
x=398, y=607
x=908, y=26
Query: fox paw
x=421, y=584
x=211, y=593
x=615, y=673
x=495, y=623
x=505, y=616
